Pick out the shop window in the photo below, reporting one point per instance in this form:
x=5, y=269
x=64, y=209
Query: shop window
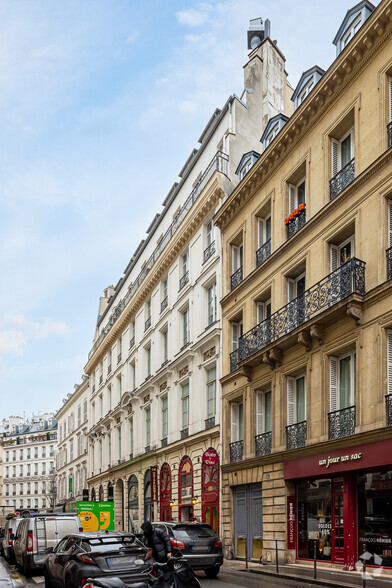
x=133, y=505
x=148, y=501
x=314, y=519
x=210, y=489
x=165, y=493
x=185, y=490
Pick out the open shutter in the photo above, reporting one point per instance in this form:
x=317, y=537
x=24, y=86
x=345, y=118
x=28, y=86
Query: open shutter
x=390, y=98
x=291, y=198
x=234, y=260
x=389, y=223
x=290, y=289
x=234, y=422
x=291, y=412
x=334, y=257
x=334, y=157
x=260, y=231
x=260, y=412
x=333, y=383
x=234, y=336
x=389, y=362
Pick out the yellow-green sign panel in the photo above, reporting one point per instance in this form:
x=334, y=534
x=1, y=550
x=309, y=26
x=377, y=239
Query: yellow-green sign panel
x=96, y=516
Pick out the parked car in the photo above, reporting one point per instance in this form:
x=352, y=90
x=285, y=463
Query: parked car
x=38, y=532
x=7, y=542
x=198, y=543
x=104, y=554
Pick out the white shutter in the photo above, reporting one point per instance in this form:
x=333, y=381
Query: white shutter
x=389, y=223
x=291, y=404
x=234, y=253
x=260, y=231
x=260, y=312
x=390, y=98
x=260, y=422
x=234, y=336
x=334, y=257
x=333, y=383
x=290, y=289
x=334, y=157
x=234, y=422
x=291, y=198
x=389, y=362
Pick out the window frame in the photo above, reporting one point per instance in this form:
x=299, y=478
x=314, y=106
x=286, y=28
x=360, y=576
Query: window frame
x=261, y=412
x=335, y=378
x=292, y=416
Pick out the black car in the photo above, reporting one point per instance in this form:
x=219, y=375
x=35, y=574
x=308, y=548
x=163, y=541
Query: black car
x=198, y=543
x=97, y=554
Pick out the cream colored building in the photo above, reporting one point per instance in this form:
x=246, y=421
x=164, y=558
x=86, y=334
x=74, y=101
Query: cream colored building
x=156, y=361
x=72, y=457
x=307, y=329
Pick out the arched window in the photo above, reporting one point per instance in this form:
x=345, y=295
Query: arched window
x=165, y=493
x=93, y=498
x=210, y=488
x=185, y=490
x=101, y=493
x=133, y=505
x=148, y=503
x=110, y=492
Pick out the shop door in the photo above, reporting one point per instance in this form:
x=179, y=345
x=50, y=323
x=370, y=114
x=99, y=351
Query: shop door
x=210, y=516
x=248, y=521
x=337, y=530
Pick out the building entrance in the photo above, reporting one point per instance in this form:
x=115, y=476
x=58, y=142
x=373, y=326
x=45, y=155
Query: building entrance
x=248, y=521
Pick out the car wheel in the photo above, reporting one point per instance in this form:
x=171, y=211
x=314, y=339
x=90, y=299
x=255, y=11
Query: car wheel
x=212, y=572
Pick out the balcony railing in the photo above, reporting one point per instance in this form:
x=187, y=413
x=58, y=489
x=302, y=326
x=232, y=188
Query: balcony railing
x=183, y=280
x=263, y=253
x=147, y=323
x=164, y=303
x=164, y=442
x=132, y=342
x=234, y=360
x=185, y=433
x=236, y=451
x=296, y=435
x=209, y=251
x=209, y=423
x=219, y=163
x=296, y=223
x=236, y=278
x=119, y=357
x=389, y=263
x=345, y=280
x=388, y=402
x=389, y=131
x=341, y=423
x=263, y=444
x=342, y=179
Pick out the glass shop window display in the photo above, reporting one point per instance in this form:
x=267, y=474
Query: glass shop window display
x=314, y=519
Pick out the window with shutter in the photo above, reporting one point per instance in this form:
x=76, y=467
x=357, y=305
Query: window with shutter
x=389, y=223
x=234, y=422
x=291, y=403
x=260, y=422
x=291, y=198
x=333, y=383
x=389, y=362
x=390, y=98
x=334, y=157
x=334, y=257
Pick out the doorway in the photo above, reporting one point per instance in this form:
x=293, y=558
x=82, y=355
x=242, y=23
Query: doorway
x=248, y=521
x=337, y=528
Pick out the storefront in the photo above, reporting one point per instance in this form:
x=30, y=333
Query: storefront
x=133, y=504
x=149, y=499
x=342, y=505
x=210, y=488
x=165, y=493
x=185, y=490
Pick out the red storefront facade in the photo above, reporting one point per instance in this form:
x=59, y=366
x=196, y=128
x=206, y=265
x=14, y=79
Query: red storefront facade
x=343, y=502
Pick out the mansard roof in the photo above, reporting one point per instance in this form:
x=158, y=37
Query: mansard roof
x=304, y=78
x=350, y=15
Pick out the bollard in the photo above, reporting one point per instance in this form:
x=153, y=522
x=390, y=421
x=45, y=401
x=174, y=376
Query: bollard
x=315, y=559
x=246, y=553
x=364, y=566
x=276, y=556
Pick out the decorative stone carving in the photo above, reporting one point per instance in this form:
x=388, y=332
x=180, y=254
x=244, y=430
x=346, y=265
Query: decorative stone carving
x=163, y=386
x=183, y=372
x=209, y=353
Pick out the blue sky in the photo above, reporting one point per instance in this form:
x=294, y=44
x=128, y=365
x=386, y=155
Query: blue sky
x=101, y=102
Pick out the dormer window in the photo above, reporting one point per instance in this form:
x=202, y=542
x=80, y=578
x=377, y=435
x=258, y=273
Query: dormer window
x=306, y=84
x=351, y=31
x=352, y=22
x=247, y=161
x=274, y=125
x=305, y=91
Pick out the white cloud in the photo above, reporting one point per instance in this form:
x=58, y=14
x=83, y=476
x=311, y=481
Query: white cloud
x=192, y=17
x=16, y=331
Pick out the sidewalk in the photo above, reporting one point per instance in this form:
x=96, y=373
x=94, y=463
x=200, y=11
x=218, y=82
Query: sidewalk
x=4, y=576
x=326, y=575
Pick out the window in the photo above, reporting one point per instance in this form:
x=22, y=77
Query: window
x=164, y=294
x=296, y=400
x=237, y=257
x=184, y=269
x=305, y=91
x=131, y=334
x=119, y=448
x=148, y=425
x=297, y=195
x=148, y=361
x=132, y=367
x=296, y=296
x=263, y=230
x=147, y=323
x=131, y=435
x=236, y=333
x=185, y=406
x=340, y=254
x=85, y=410
x=110, y=448
x=79, y=415
x=245, y=168
x=165, y=414
x=165, y=348
x=271, y=135
x=211, y=392
x=71, y=455
x=342, y=151
x=209, y=233
x=237, y=421
x=110, y=397
x=342, y=381
x=211, y=305
x=355, y=26
x=185, y=327
x=263, y=310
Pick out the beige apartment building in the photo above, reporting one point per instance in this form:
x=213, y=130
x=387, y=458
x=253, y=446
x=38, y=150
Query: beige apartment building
x=307, y=318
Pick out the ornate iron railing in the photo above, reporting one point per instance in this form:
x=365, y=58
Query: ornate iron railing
x=233, y=360
x=236, y=278
x=209, y=423
x=209, y=251
x=389, y=263
x=164, y=303
x=164, y=442
x=296, y=435
x=147, y=324
x=236, y=451
x=341, y=423
x=119, y=357
x=218, y=163
x=345, y=280
x=184, y=280
x=263, y=444
x=389, y=131
x=185, y=433
x=296, y=223
x=342, y=179
x=263, y=253
x=388, y=403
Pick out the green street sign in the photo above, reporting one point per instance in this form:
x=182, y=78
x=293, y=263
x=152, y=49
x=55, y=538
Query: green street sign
x=70, y=485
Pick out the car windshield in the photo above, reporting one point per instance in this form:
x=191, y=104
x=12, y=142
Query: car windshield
x=190, y=531
x=111, y=543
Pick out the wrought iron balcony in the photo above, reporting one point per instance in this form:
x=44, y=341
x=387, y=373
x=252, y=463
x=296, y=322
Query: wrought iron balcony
x=233, y=360
x=236, y=278
x=132, y=342
x=119, y=357
x=263, y=444
x=263, y=253
x=389, y=130
x=389, y=263
x=236, y=451
x=209, y=423
x=345, y=280
x=388, y=402
x=185, y=433
x=147, y=323
x=209, y=251
x=164, y=442
x=341, y=423
x=184, y=280
x=296, y=222
x=164, y=303
x=342, y=179
x=296, y=435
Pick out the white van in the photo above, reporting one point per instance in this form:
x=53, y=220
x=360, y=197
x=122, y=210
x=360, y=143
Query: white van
x=38, y=532
x=7, y=542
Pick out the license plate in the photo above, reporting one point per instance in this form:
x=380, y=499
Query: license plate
x=200, y=548
x=118, y=562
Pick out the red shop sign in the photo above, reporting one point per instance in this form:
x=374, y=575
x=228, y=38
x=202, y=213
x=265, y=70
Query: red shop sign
x=291, y=522
x=154, y=483
x=210, y=457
